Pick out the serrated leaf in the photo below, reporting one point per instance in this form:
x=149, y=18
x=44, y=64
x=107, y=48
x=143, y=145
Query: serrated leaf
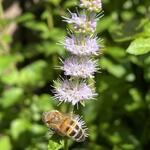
x=139, y=46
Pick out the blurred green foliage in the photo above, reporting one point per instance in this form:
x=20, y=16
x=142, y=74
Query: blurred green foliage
x=120, y=117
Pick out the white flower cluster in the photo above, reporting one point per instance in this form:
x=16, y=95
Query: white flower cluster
x=91, y=5
x=79, y=67
x=82, y=45
x=73, y=91
x=81, y=23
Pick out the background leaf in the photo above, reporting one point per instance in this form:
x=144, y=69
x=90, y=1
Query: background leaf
x=29, y=54
x=139, y=46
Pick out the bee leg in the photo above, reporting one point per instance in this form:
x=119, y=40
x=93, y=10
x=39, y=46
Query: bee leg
x=51, y=131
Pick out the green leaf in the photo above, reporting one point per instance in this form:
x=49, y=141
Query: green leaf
x=54, y=2
x=37, y=26
x=33, y=75
x=71, y=3
x=128, y=31
x=43, y=102
x=104, y=24
x=19, y=126
x=5, y=143
x=38, y=129
x=6, y=38
x=49, y=48
x=147, y=29
x=11, y=97
x=6, y=61
x=139, y=46
x=136, y=102
x=128, y=146
x=114, y=69
x=25, y=17
x=55, y=146
x=82, y=103
x=11, y=78
x=115, y=52
x=57, y=34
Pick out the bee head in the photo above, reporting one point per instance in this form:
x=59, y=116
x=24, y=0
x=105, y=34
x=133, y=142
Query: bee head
x=51, y=117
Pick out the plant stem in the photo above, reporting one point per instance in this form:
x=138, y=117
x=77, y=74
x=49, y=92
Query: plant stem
x=1, y=10
x=50, y=22
x=66, y=144
x=69, y=109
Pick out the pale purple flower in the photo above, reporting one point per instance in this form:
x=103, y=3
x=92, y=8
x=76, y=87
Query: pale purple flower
x=92, y=5
x=79, y=67
x=82, y=45
x=73, y=91
x=82, y=23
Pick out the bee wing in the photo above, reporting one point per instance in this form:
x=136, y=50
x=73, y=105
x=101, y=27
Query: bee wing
x=52, y=131
x=72, y=116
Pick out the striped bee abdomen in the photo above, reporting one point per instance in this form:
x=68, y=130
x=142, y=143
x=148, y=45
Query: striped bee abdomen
x=75, y=132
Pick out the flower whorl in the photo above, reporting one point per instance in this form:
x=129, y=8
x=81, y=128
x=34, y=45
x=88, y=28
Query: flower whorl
x=82, y=46
x=91, y=5
x=82, y=23
x=73, y=91
x=79, y=67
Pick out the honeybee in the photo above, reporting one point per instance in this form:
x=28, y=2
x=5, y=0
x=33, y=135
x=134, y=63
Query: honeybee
x=65, y=125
